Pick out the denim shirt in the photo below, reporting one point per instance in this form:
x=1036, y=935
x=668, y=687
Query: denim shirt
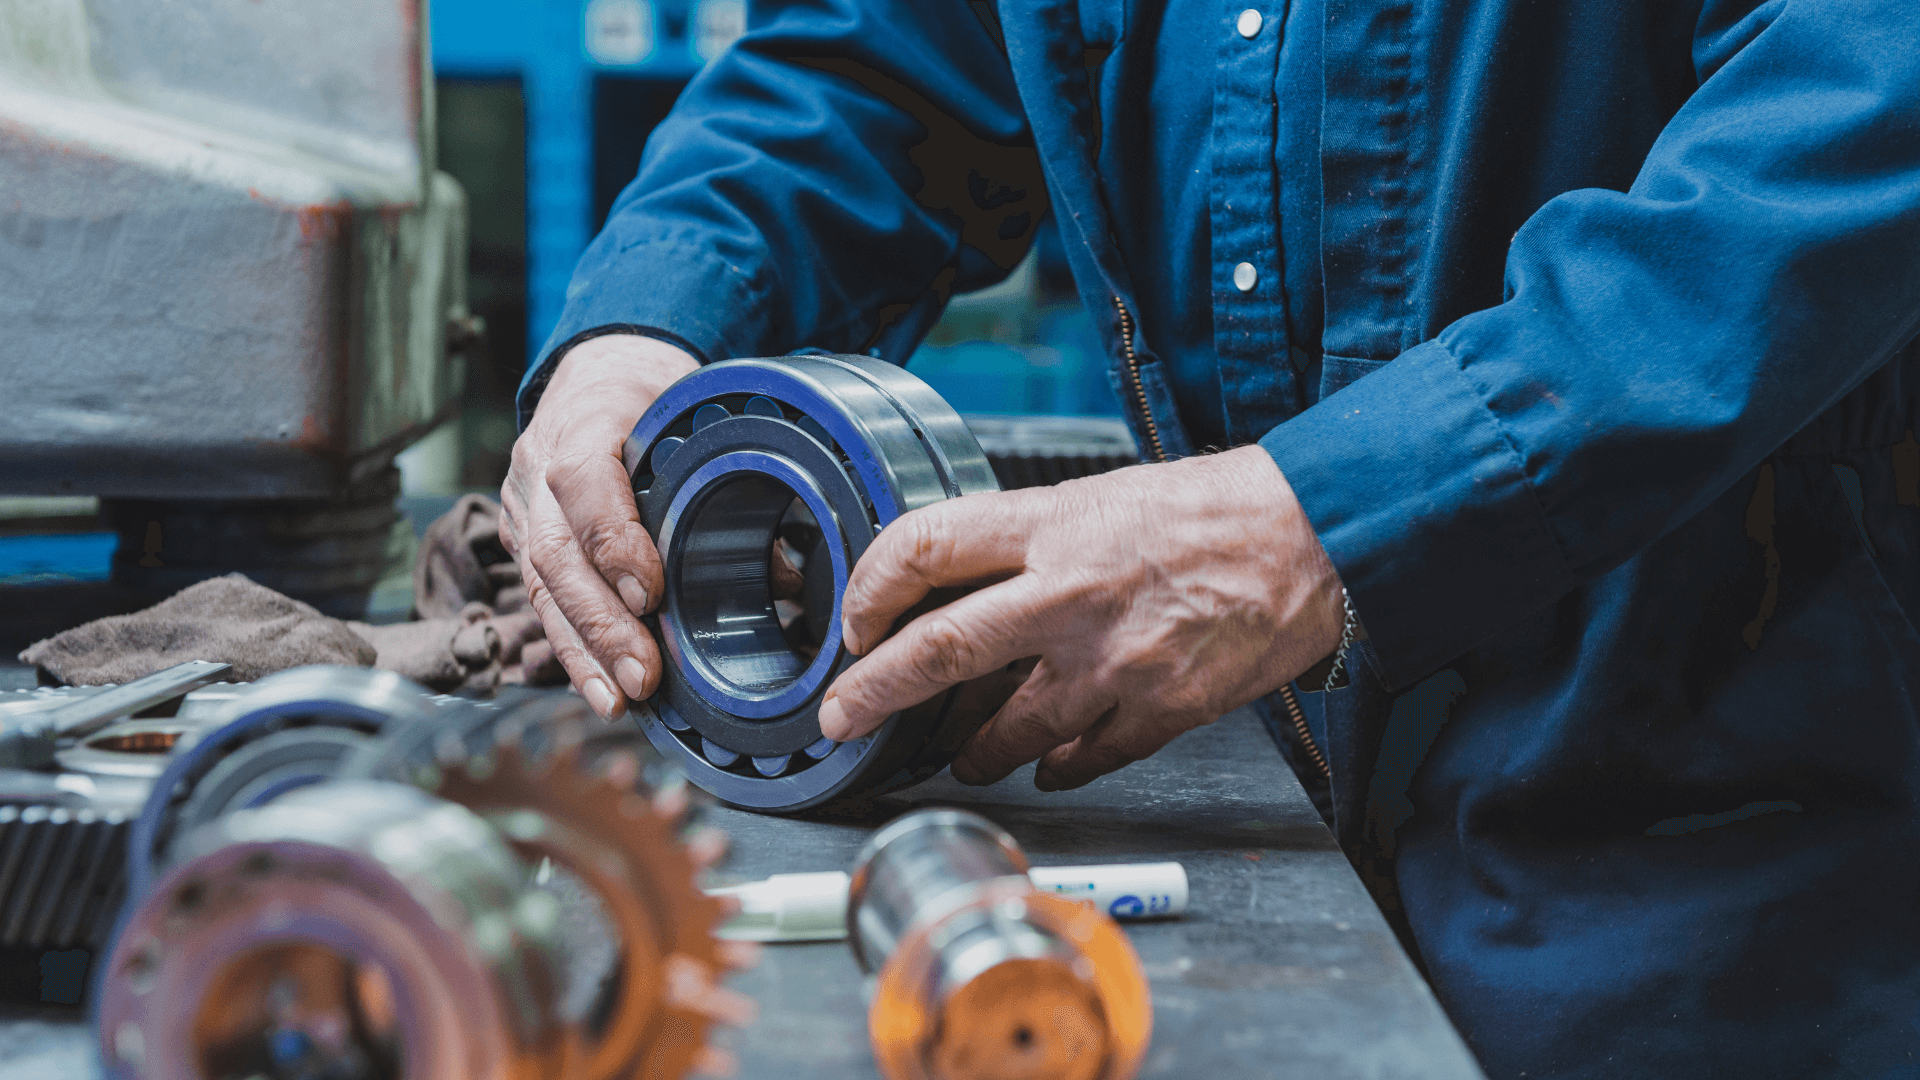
x=1605, y=414
x=1239, y=154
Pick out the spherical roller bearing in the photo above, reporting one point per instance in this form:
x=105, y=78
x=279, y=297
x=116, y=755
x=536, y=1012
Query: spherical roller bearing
x=822, y=452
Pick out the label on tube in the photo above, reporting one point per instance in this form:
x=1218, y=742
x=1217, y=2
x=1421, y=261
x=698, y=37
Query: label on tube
x=813, y=907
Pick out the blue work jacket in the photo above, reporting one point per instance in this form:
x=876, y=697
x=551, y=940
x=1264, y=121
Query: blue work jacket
x=1584, y=331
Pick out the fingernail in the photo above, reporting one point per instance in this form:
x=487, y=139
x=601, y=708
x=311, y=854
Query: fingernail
x=633, y=594
x=833, y=720
x=968, y=776
x=632, y=675
x=847, y=639
x=599, y=698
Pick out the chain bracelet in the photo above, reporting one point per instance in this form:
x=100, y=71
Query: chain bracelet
x=1347, y=632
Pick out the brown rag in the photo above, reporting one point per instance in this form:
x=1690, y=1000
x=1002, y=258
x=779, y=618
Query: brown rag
x=470, y=640
x=475, y=650
x=228, y=620
x=462, y=560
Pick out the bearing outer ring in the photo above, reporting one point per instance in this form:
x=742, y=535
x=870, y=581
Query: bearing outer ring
x=856, y=441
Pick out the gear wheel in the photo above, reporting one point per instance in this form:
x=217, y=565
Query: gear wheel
x=565, y=788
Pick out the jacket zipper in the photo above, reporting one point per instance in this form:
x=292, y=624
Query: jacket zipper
x=1299, y=718
x=1156, y=452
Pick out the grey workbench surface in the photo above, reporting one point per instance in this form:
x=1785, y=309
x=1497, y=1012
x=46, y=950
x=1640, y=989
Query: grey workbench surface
x=1282, y=966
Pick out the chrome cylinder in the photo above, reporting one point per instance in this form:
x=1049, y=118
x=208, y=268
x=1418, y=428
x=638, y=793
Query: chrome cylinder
x=979, y=975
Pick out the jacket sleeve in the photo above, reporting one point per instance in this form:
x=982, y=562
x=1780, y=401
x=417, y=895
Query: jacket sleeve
x=1656, y=344
x=827, y=183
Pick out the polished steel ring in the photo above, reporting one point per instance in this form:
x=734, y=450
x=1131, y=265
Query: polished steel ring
x=822, y=452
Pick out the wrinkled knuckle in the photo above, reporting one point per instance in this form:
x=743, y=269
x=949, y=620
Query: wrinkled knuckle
x=944, y=651
x=927, y=540
x=854, y=693
x=541, y=598
x=1107, y=757
x=607, y=544
x=604, y=630
x=1026, y=728
x=564, y=474
x=524, y=462
x=546, y=543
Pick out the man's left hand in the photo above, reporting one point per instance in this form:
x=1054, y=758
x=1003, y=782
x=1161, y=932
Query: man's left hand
x=1155, y=598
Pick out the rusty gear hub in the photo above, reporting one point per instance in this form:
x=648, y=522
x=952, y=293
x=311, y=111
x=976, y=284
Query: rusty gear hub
x=547, y=779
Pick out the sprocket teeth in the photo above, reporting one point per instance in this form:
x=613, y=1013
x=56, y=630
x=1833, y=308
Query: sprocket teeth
x=613, y=836
x=672, y=806
x=622, y=769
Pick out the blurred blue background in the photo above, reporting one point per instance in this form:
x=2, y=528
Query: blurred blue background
x=544, y=107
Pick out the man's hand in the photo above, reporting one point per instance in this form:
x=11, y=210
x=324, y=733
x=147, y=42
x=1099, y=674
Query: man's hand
x=1156, y=598
x=569, y=519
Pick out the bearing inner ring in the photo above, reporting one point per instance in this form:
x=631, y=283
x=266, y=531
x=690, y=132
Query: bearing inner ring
x=719, y=624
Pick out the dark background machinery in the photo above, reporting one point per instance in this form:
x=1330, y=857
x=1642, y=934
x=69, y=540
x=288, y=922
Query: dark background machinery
x=540, y=112
x=238, y=279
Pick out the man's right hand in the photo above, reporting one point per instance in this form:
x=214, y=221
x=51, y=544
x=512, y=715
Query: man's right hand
x=570, y=522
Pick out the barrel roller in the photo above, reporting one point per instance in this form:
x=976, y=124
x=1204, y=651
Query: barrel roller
x=819, y=453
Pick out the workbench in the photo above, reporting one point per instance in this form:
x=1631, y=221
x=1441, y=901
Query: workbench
x=1281, y=967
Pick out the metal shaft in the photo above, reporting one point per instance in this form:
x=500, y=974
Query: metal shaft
x=979, y=975
x=917, y=869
